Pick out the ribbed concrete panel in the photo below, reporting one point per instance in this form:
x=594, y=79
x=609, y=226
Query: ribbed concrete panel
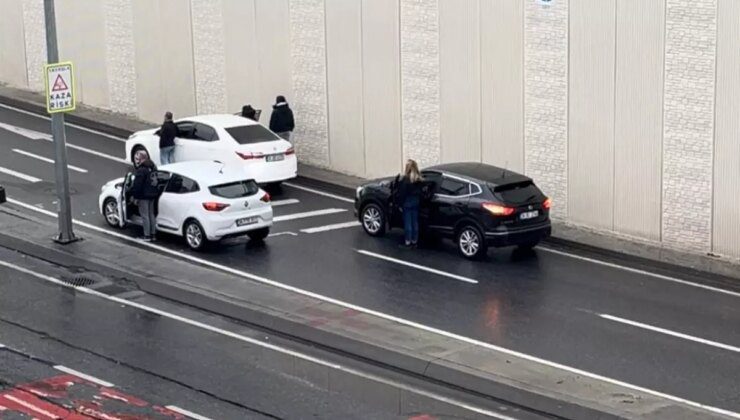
x=209, y=56
x=164, y=58
x=35, y=39
x=273, y=53
x=12, y=44
x=120, y=54
x=460, y=84
x=81, y=38
x=502, y=82
x=639, y=118
x=591, y=113
x=381, y=87
x=344, y=59
x=240, y=47
x=726, y=226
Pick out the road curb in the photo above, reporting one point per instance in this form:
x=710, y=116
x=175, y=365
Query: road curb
x=421, y=367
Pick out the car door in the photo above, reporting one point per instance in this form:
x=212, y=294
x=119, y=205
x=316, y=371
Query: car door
x=175, y=202
x=430, y=184
x=122, y=199
x=449, y=203
x=199, y=143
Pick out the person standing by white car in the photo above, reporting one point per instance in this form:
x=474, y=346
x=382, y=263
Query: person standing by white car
x=167, y=135
x=281, y=120
x=145, y=192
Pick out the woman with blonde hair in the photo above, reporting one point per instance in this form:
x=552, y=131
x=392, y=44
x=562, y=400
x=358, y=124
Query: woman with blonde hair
x=409, y=196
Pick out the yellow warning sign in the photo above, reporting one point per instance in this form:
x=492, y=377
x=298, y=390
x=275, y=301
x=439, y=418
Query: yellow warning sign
x=60, y=93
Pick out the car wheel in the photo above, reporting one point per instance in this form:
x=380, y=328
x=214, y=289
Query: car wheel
x=471, y=243
x=258, y=235
x=136, y=149
x=372, y=218
x=110, y=212
x=195, y=236
x=528, y=246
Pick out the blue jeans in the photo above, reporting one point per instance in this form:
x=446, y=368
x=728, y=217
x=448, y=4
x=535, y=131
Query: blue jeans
x=167, y=155
x=411, y=224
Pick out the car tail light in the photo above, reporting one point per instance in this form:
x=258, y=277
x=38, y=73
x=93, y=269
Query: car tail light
x=290, y=151
x=214, y=206
x=249, y=156
x=547, y=203
x=266, y=198
x=498, y=210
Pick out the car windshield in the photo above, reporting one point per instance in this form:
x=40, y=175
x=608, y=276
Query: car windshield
x=237, y=189
x=248, y=134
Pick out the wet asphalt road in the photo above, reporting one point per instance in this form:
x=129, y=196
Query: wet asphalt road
x=606, y=320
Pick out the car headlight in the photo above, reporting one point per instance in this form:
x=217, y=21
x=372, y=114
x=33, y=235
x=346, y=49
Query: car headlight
x=358, y=191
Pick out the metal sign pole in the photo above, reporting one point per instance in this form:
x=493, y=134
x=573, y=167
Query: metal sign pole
x=66, y=235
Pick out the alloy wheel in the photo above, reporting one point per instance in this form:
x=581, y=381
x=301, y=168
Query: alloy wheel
x=469, y=242
x=194, y=235
x=372, y=219
x=111, y=213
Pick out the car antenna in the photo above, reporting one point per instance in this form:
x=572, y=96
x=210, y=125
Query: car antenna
x=506, y=166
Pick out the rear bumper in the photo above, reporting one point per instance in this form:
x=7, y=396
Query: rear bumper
x=266, y=172
x=519, y=236
x=225, y=226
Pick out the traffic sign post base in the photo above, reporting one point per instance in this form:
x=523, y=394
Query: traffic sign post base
x=60, y=239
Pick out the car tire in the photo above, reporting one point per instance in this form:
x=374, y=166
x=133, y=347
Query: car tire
x=258, y=235
x=372, y=218
x=528, y=246
x=195, y=236
x=471, y=243
x=110, y=212
x=137, y=148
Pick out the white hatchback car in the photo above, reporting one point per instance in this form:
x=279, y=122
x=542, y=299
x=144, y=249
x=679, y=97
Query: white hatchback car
x=201, y=201
x=231, y=139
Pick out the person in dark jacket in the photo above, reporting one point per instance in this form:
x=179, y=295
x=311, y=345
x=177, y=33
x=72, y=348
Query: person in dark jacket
x=145, y=192
x=167, y=135
x=249, y=112
x=281, y=120
x=409, y=197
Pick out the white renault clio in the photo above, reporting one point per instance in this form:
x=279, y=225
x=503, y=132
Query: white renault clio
x=201, y=201
x=231, y=139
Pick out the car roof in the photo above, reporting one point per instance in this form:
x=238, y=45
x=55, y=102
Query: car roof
x=492, y=175
x=207, y=172
x=220, y=120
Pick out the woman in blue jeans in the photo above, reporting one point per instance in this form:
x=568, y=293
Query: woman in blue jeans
x=409, y=196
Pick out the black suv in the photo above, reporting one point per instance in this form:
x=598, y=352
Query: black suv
x=477, y=205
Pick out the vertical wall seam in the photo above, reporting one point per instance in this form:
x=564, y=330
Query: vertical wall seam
x=192, y=48
x=326, y=76
x=440, y=101
x=566, y=211
x=614, y=122
x=400, y=86
x=714, y=130
x=523, y=89
x=662, y=128
x=25, y=50
x=362, y=91
x=480, y=82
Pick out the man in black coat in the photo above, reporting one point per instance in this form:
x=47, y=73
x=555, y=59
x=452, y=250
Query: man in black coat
x=145, y=191
x=281, y=120
x=167, y=135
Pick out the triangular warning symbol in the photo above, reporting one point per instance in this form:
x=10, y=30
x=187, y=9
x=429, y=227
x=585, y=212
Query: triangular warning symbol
x=59, y=84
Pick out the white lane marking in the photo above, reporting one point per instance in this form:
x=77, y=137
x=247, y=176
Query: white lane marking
x=670, y=332
x=78, y=127
x=331, y=227
x=278, y=203
x=248, y=340
x=304, y=215
x=16, y=174
x=35, y=135
x=31, y=407
x=318, y=192
x=44, y=159
x=186, y=413
x=642, y=272
x=82, y=375
x=2, y=346
x=378, y=314
x=282, y=234
x=418, y=267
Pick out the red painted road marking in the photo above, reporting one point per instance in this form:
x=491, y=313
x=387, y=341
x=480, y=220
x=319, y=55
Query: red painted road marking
x=68, y=397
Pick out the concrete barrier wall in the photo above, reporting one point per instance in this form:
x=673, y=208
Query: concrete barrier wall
x=624, y=111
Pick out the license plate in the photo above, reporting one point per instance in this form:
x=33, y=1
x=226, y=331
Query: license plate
x=275, y=158
x=247, y=221
x=529, y=215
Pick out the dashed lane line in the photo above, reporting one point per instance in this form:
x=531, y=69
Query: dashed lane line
x=378, y=314
x=78, y=127
x=670, y=333
x=47, y=160
x=319, y=192
x=82, y=375
x=331, y=227
x=186, y=413
x=307, y=214
x=19, y=175
x=248, y=340
x=417, y=266
x=289, y=201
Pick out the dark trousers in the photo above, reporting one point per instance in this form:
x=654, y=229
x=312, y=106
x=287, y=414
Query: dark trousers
x=411, y=224
x=149, y=220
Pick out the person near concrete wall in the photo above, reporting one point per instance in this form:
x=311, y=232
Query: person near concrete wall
x=409, y=196
x=281, y=120
x=145, y=191
x=167, y=135
x=249, y=112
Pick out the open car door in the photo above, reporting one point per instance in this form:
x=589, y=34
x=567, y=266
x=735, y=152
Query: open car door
x=395, y=218
x=122, y=200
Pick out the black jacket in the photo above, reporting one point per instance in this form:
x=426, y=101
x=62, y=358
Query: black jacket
x=408, y=190
x=167, y=134
x=249, y=112
x=281, y=119
x=145, y=182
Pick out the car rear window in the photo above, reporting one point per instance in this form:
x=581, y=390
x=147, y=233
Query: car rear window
x=518, y=192
x=248, y=134
x=239, y=189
